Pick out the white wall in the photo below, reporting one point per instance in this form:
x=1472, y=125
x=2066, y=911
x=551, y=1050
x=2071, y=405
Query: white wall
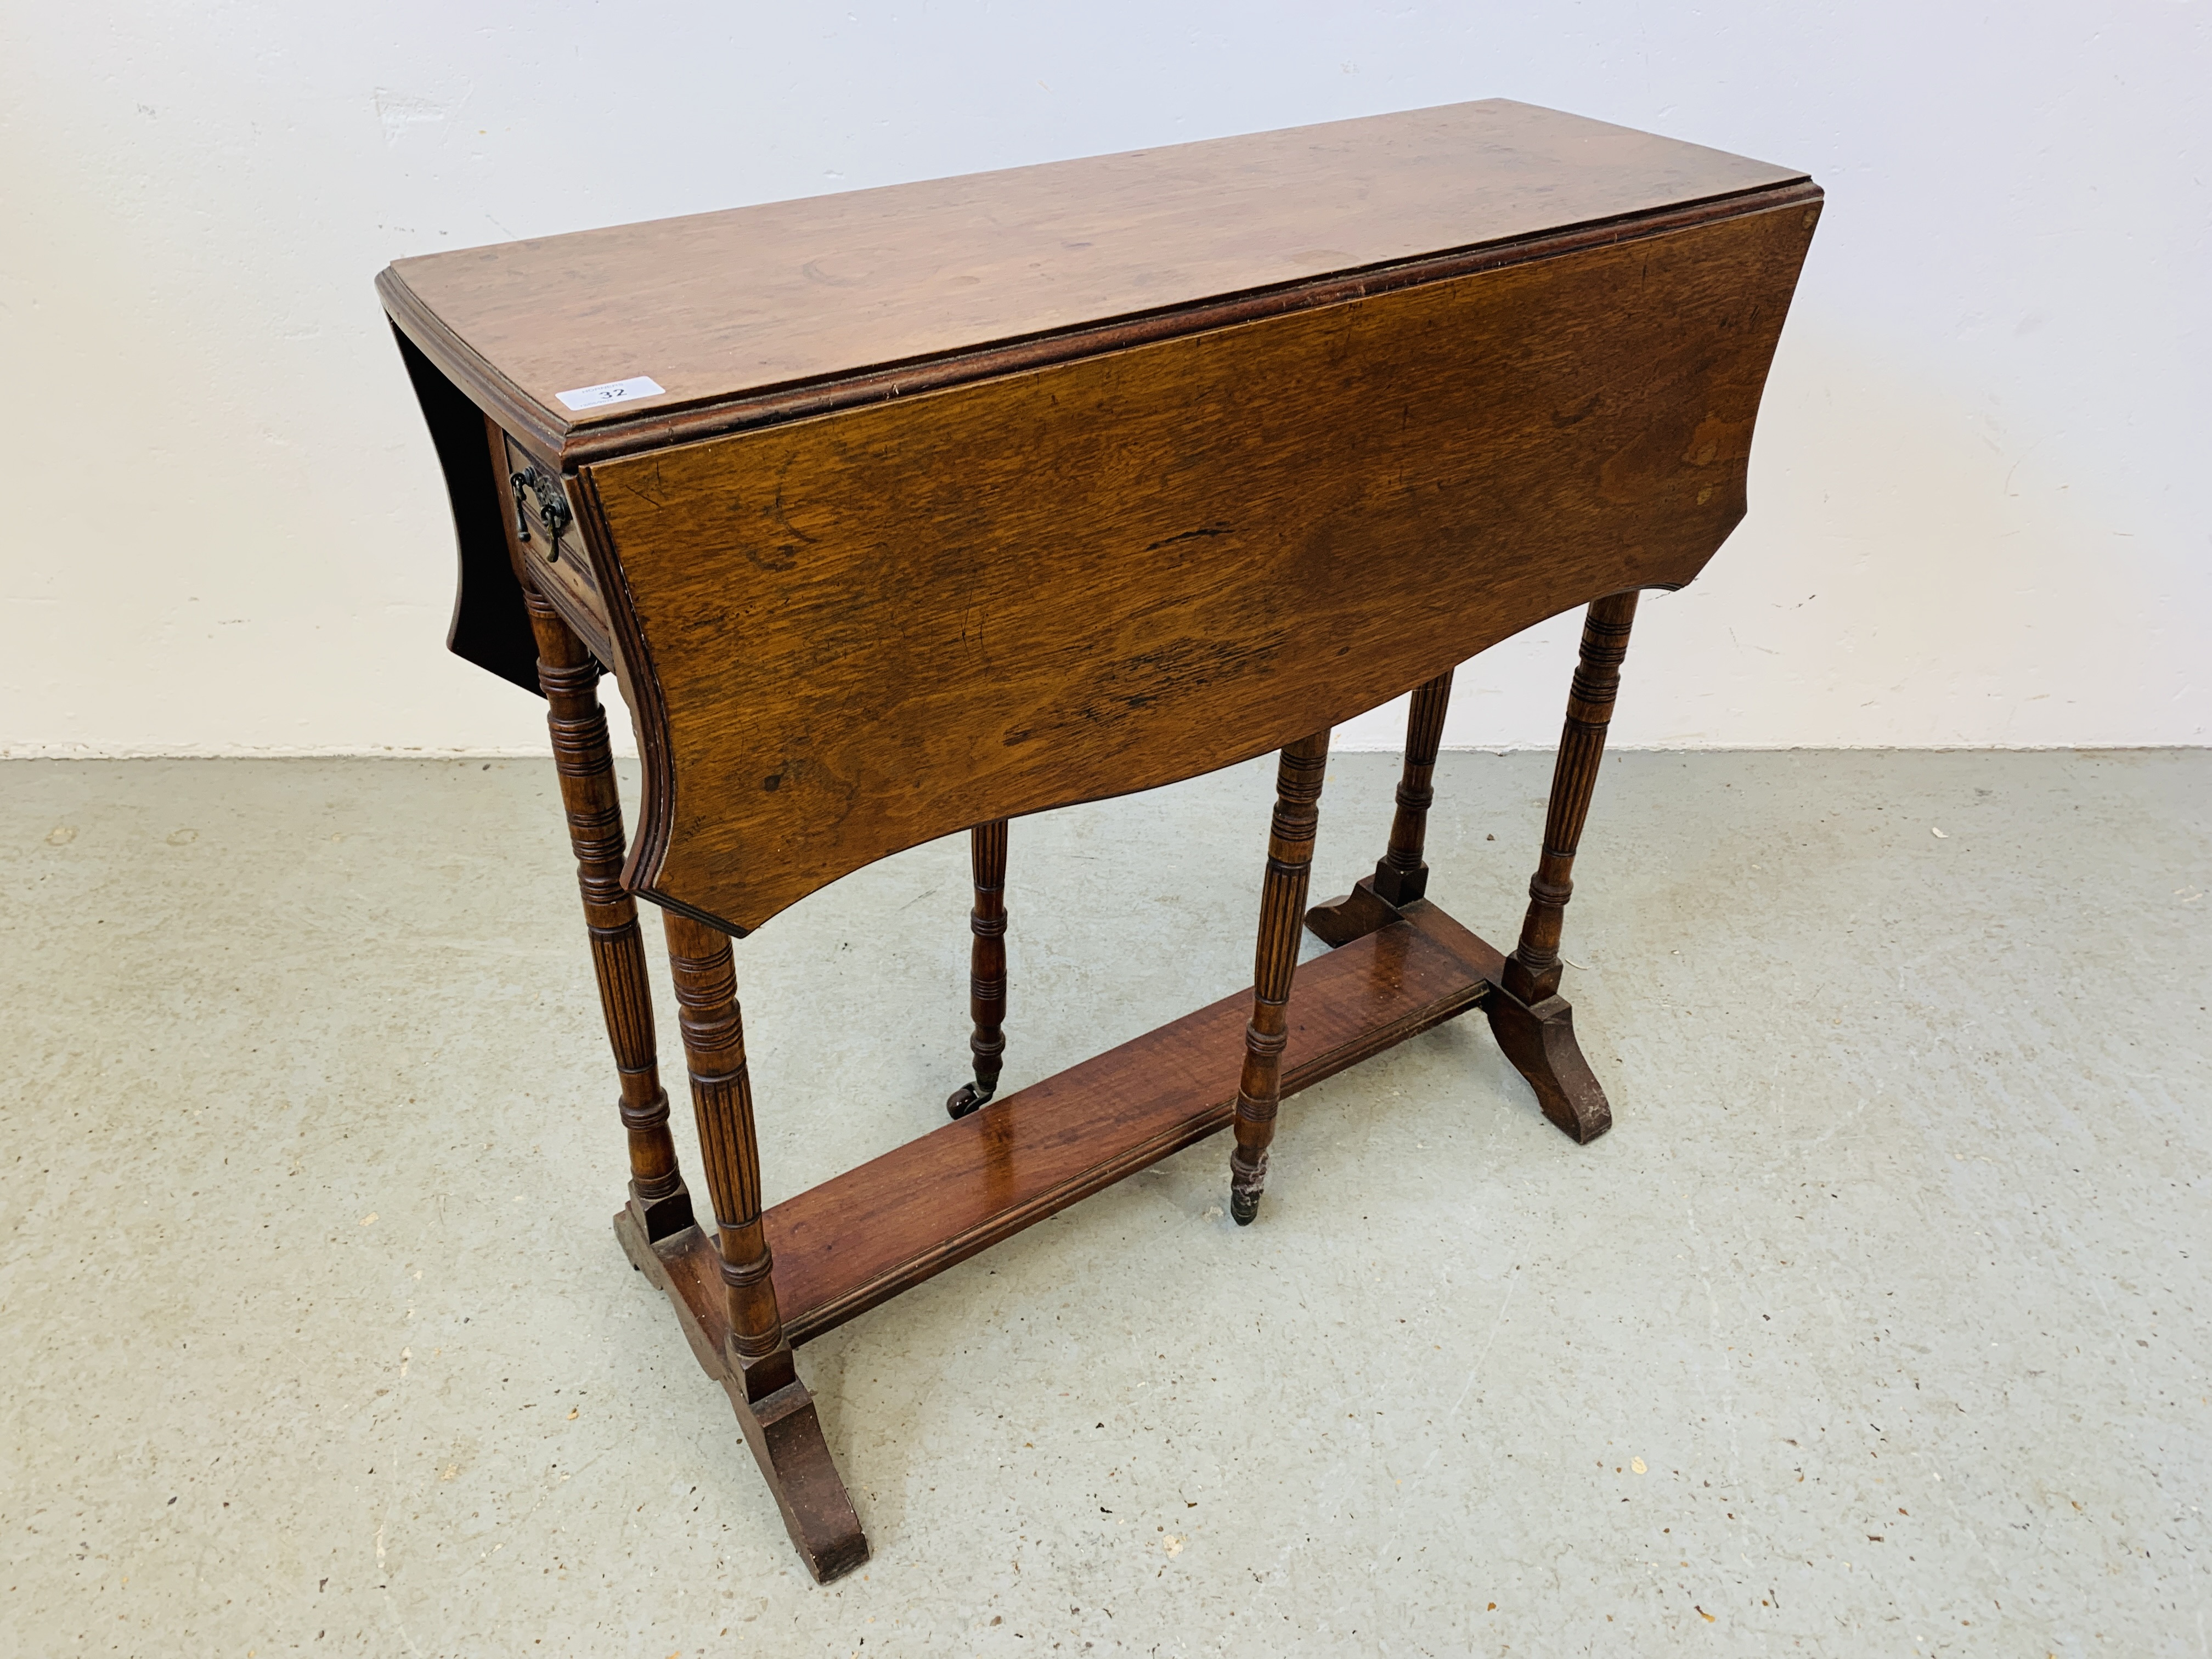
x=1977, y=509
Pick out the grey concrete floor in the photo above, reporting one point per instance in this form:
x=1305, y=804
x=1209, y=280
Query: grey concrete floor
x=1873, y=1327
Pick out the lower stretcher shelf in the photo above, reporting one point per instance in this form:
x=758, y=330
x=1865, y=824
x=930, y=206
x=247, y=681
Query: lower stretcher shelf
x=863, y=1236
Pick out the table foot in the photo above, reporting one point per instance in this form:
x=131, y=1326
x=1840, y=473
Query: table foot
x=1357, y=914
x=786, y=1435
x=1540, y=1041
x=781, y=1427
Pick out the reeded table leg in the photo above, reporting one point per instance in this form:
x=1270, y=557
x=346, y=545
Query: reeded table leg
x=1399, y=875
x=570, y=678
x=1534, y=1024
x=1275, y=960
x=987, y=967
x=772, y=1405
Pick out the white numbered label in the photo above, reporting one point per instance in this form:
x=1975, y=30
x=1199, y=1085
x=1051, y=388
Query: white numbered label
x=614, y=392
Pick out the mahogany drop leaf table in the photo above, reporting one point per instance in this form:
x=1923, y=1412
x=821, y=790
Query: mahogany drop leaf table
x=911, y=511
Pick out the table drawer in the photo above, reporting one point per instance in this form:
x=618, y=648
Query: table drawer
x=549, y=546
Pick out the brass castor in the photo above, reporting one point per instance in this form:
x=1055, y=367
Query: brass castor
x=968, y=1098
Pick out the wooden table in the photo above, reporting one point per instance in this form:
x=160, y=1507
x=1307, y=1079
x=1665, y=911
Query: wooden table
x=914, y=510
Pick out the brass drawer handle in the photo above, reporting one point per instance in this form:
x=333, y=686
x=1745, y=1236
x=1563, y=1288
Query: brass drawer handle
x=553, y=514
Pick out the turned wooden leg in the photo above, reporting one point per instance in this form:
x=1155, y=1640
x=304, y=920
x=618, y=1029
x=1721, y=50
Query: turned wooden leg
x=987, y=967
x=1275, y=960
x=570, y=680
x=772, y=1405
x=1534, y=1023
x=1399, y=875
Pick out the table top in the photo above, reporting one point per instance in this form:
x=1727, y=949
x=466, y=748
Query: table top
x=716, y=308
x=974, y=498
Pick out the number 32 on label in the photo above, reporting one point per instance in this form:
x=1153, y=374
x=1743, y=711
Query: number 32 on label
x=613, y=391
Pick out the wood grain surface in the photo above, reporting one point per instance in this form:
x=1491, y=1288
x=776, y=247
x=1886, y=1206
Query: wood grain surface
x=846, y=635
x=717, y=306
